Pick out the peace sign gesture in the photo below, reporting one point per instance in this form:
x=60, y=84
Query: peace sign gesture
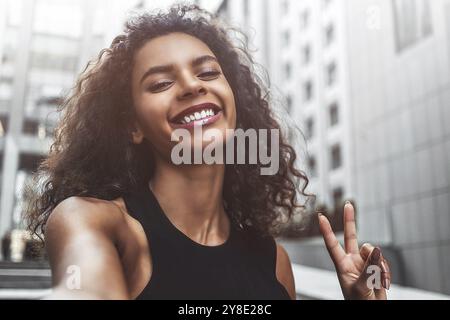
x=362, y=273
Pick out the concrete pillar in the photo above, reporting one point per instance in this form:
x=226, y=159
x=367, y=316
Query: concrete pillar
x=11, y=151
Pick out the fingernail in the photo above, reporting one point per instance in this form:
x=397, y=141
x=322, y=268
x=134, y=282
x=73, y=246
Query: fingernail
x=383, y=267
x=386, y=284
x=347, y=202
x=376, y=255
x=319, y=214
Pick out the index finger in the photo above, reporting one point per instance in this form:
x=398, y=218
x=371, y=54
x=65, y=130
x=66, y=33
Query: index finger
x=334, y=248
x=350, y=238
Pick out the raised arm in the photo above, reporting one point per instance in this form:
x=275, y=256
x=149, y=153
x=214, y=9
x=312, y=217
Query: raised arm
x=81, y=238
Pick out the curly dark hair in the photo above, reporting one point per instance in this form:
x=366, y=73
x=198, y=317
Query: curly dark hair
x=93, y=154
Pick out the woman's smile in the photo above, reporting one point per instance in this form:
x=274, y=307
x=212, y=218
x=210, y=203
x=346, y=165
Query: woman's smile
x=199, y=115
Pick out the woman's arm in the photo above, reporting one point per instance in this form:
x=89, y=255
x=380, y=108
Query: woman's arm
x=284, y=271
x=80, y=241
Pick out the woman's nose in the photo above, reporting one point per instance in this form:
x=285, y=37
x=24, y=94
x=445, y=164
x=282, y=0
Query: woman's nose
x=191, y=87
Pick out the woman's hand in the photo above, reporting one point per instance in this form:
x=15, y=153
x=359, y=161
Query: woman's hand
x=352, y=264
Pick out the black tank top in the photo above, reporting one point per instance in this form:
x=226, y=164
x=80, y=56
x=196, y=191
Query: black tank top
x=242, y=268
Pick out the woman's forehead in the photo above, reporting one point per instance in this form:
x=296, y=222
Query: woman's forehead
x=174, y=48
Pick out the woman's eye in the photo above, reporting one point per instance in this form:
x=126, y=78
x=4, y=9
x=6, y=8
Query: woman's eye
x=159, y=86
x=209, y=74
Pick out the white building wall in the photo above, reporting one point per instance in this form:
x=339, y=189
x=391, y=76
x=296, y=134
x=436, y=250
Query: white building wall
x=400, y=116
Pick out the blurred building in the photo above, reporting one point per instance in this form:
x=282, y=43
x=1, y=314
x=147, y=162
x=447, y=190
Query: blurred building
x=399, y=59
x=368, y=83
x=302, y=45
x=312, y=61
x=44, y=44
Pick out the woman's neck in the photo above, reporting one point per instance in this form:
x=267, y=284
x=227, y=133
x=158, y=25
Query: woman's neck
x=191, y=197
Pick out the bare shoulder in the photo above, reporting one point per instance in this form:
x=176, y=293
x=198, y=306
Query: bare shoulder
x=83, y=232
x=284, y=271
x=87, y=213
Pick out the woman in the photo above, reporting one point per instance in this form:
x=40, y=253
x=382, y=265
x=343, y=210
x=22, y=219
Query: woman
x=122, y=221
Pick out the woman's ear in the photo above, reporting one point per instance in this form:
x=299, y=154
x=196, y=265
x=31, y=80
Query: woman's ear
x=137, y=135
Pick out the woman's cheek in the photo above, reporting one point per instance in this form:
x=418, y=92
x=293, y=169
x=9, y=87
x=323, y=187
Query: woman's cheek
x=232, y=104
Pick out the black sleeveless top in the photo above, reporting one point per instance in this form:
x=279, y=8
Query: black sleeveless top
x=243, y=267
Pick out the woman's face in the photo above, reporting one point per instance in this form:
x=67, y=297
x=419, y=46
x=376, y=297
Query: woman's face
x=177, y=82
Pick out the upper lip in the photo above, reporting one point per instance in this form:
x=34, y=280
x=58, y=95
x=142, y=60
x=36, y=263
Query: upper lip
x=194, y=108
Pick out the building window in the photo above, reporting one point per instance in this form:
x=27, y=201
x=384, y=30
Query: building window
x=29, y=162
x=309, y=128
x=331, y=74
x=329, y=34
x=53, y=101
x=286, y=38
x=312, y=166
x=223, y=11
x=336, y=157
x=287, y=71
x=289, y=103
x=285, y=7
x=6, y=79
x=412, y=21
x=334, y=114
x=304, y=19
x=306, y=54
x=246, y=11
x=30, y=127
x=338, y=197
x=47, y=61
x=8, y=54
x=308, y=90
x=325, y=3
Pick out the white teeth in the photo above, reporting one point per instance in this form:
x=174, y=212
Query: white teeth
x=198, y=115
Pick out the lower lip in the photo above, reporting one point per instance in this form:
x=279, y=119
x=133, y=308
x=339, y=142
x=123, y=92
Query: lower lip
x=202, y=122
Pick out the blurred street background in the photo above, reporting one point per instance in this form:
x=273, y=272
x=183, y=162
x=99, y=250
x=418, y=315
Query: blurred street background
x=366, y=81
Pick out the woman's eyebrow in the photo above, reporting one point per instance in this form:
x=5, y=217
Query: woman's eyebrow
x=167, y=68
x=156, y=69
x=199, y=60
